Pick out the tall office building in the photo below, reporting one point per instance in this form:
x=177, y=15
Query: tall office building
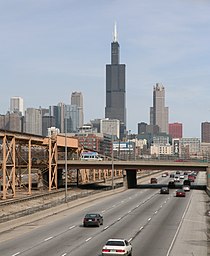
x=58, y=112
x=33, y=121
x=175, y=130
x=77, y=99
x=144, y=128
x=12, y=121
x=205, y=132
x=72, y=115
x=159, y=113
x=110, y=126
x=115, y=86
x=16, y=105
x=47, y=123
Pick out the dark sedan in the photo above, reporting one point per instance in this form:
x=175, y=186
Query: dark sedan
x=164, y=190
x=93, y=219
x=153, y=180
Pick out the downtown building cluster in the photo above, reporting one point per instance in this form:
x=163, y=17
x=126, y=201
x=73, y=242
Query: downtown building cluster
x=158, y=139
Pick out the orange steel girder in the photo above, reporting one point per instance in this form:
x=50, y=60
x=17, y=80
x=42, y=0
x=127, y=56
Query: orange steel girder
x=92, y=175
x=8, y=166
x=53, y=164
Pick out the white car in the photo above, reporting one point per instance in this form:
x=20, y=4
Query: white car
x=117, y=247
x=181, y=176
x=186, y=188
x=176, y=179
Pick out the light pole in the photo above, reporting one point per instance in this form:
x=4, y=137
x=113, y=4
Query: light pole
x=112, y=163
x=65, y=120
x=129, y=144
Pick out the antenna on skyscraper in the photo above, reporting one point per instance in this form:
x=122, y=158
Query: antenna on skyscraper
x=115, y=32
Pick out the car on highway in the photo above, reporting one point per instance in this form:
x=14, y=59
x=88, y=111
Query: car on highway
x=180, y=193
x=93, y=219
x=164, y=174
x=117, y=247
x=172, y=175
x=191, y=178
x=186, y=188
x=187, y=182
x=181, y=176
x=153, y=180
x=176, y=178
x=164, y=190
x=171, y=184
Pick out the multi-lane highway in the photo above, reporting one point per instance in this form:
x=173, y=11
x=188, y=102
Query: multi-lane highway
x=150, y=220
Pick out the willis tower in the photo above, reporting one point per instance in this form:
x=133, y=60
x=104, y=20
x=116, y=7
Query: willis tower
x=115, y=86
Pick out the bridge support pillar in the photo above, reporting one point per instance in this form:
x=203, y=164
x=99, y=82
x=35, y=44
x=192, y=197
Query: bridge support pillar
x=131, y=178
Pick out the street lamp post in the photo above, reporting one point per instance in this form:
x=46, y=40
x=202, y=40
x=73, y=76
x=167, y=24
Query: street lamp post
x=129, y=144
x=112, y=163
x=65, y=120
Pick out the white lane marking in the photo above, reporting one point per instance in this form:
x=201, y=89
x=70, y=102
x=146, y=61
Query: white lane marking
x=119, y=218
x=129, y=211
x=47, y=239
x=64, y=254
x=16, y=254
x=88, y=239
x=113, y=205
x=122, y=201
x=138, y=205
x=106, y=227
x=156, y=212
x=72, y=227
x=130, y=239
x=141, y=228
x=103, y=211
x=149, y=219
x=177, y=231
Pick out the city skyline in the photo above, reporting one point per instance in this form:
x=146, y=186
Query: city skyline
x=48, y=51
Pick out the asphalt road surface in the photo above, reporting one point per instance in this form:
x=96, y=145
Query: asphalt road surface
x=156, y=225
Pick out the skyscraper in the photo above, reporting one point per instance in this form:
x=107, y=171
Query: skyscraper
x=33, y=121
x=77, y=99
x=59, y=113
x=175, y=130
x=205, y=132
x=115, y=85
x=159, y=113
x=72, y=115
x=16, y=105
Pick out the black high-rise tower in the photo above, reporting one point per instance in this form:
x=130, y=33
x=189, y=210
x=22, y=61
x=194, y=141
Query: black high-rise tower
x=115, y=86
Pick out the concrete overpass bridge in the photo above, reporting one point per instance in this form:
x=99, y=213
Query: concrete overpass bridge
x=131, y=167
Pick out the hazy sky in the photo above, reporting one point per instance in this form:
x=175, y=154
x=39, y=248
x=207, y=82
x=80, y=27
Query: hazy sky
x=50, y=48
